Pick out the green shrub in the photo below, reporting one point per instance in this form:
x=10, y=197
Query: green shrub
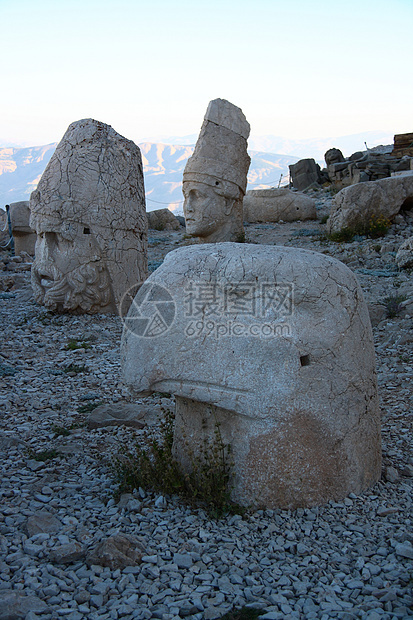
x=207, y=484
x=75, y=368
x=345, y=235
x=89, y=407
x=375, y=228
x=73, y=344
x=393, y=305
x=60, y=430
x=243, y=613
x=43, y=455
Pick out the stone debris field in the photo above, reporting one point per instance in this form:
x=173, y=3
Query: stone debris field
x=69, y=550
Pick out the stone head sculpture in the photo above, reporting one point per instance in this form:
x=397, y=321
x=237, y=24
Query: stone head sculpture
x=275, y=344
x=333, y=156
x=215, y=176
x=89, y=215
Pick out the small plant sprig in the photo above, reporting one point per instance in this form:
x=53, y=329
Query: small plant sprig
x=73, y=344
x=64, y=431
x=376, y=227
x=43, y=455
x=393, y=305
x=243, y=613
x=75, y=368
x=88, y=407
x=206, y=484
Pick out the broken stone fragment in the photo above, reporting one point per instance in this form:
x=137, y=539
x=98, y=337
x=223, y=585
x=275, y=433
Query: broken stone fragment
x=41, y=522
x=273, y=205
x=116, y=551
x=162, y=219
x=404, y=256
x=117, y=414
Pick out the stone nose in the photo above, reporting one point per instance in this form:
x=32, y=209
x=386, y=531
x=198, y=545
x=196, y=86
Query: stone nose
x=188, y=205
x=48, y=241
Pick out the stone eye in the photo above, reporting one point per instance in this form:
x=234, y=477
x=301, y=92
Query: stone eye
x=86, y=231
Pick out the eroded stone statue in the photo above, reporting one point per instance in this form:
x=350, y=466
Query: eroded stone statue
x=215, y=176
x=89, y=214
x=275, y=345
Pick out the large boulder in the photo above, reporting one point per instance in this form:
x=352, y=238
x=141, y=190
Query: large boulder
x=273, y=205
x=162, y=219
x=357, y=205
x=275, y=345
x=304, y=174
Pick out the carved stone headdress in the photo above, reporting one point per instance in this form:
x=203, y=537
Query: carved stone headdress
x=220, y=158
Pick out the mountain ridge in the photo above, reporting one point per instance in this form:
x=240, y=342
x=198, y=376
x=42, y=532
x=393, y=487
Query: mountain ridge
x=164, y=163
x=21, y=169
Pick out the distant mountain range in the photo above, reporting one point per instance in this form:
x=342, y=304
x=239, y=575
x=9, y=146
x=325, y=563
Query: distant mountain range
x=164, y=163
x=21, y=169
x=309, y=147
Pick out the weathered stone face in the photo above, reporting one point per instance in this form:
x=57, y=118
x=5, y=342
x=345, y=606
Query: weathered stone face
x=275, y=344
x=89, y=215
x=210, y=216
x=215, y=176
x=70, y=273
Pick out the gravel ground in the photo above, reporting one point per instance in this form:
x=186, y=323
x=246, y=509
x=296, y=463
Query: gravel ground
x=346, y=560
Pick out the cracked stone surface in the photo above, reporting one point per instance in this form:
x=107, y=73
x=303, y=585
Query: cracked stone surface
x=361, y=202
x=89, y=214
x=275, y=345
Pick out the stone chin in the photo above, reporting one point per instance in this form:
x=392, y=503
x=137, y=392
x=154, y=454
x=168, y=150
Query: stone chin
x=85, y=289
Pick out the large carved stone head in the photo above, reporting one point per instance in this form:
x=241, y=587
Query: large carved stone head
x=274, y=344
x=215, y=177
x=89, y=215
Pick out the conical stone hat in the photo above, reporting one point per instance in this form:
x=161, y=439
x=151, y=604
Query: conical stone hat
x=220, y=158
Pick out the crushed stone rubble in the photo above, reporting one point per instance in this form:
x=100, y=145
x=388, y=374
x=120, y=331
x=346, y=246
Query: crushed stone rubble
x=69, y=550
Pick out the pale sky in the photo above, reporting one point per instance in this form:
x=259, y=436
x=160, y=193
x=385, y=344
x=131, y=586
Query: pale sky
x=297, y=68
